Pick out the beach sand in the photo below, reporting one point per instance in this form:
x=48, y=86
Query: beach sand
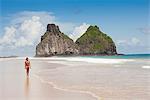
x=60, y=79
x=14, y=85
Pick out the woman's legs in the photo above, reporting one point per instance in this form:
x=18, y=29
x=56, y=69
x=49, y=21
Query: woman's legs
x=27, y=71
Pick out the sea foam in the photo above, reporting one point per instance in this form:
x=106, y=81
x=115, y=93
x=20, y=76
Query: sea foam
x=92, y=60
x=82, y=59
x=68, y=90
x=146, y=67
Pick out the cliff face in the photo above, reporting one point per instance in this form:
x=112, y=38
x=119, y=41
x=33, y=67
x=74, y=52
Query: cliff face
x=93, y=41
x=54, y=42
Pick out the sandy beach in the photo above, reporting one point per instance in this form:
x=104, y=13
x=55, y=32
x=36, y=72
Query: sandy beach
x=14, y=85
x=74, y=79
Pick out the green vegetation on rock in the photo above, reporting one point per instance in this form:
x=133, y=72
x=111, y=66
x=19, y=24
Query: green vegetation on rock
x=93, y=41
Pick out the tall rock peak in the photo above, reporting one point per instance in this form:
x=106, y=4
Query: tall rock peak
x=52, y=28
x=92, y=42
x=54, y=42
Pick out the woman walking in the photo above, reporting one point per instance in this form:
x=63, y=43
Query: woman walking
x=27, y=66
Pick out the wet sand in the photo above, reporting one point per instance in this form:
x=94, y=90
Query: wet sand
x=14, y=85
x=59, y=79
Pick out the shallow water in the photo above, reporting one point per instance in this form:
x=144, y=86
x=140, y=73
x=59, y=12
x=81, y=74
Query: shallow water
x=127, y=80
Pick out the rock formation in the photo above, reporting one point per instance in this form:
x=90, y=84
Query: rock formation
x=93, y=41
x=54, y=42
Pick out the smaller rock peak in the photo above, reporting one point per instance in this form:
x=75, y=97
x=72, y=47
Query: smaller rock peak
x=93, y=28
x=52, y=28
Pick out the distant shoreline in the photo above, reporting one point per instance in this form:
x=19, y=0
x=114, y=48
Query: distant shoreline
x=65, y=55
x=88, y=55
x=9, y=56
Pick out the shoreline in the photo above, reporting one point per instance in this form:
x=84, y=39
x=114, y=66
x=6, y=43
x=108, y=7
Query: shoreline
x=83, y=59
x=56, y=77
x=58, y=86
x=68, y=90
x=34, y=87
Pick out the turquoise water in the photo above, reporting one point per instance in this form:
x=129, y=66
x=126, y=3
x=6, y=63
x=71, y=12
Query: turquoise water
x=126, y=56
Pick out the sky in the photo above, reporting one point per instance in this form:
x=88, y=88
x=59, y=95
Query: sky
x=22, y=22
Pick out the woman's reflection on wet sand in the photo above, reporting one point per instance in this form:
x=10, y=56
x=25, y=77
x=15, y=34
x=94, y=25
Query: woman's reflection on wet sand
x=27, y=86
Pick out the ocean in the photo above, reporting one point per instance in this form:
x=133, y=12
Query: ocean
x=125, y=56
x=124, y=77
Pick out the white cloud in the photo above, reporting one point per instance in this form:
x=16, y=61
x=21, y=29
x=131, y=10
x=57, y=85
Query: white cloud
x=66, y=27
x=8, y=38
x=121, y=42
x=24, y=34
x=24, y=30
x=78, y=31
x=45, y=17
x=135, y=41
x=132, y=45
x=130, y=42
